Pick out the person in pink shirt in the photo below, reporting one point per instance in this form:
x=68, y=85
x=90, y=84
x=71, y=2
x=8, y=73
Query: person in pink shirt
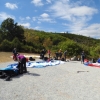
x=49, y=52
x=21, y=63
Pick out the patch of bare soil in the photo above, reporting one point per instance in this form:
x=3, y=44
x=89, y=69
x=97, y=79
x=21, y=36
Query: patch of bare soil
x=6, y=56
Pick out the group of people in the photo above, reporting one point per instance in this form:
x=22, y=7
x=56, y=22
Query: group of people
x=22, y=59
x=58, y=55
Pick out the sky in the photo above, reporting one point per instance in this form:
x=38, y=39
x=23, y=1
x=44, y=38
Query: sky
x=81, y=17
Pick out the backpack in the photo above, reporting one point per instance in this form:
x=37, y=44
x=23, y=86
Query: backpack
x=31, y=59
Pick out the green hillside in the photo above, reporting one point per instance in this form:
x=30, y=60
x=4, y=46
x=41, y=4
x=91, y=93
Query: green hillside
x=33, y=41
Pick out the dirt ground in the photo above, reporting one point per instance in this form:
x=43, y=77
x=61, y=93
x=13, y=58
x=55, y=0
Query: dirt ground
x=6, y=56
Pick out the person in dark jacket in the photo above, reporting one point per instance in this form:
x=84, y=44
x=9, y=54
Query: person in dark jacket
x=65, y=55
x=82, y=57
x=14, y=53
x=43, y=52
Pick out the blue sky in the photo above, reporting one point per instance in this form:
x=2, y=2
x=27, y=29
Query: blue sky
x=80, y=17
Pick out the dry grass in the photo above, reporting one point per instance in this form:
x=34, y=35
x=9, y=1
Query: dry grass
x=6, y=56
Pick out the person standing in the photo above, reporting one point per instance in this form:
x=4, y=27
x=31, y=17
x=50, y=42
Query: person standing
x=57, y=55
x=60, y=54
x=14, y=54
x=65, y=54
x=21, y=63
x=43, y=52
x=49, y=52
x=82, y=57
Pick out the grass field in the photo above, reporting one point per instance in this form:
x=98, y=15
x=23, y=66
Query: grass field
x=6, y=56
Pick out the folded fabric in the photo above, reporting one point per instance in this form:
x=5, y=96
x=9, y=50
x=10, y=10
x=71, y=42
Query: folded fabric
x=92, y=64
x=42, y=64
x=29, y=64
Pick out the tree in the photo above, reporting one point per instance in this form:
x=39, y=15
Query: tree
x=47, y=43
x=1, y=38
x=5, y=45
x=72, y=47
x=95, y=52
x=16, y=43
x=10, y=30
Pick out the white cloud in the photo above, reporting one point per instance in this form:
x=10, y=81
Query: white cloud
x=92, y=31
x=76, y=17
x=23, y=19
x=37, y=2
x=44, y=15
x=48, y=1
x=28, y=18
x=68, y=11
x=37, y=27
x=45, y=18
x=11, y=5
x=82, y=11
x=26, y=25
x=4, y=16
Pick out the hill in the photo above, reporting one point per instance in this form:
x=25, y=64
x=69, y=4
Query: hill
x=33, y=41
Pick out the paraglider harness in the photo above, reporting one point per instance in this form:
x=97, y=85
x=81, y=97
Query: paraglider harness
x=9, y=71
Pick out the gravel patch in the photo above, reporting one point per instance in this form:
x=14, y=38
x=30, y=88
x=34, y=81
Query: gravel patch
x=69, y=81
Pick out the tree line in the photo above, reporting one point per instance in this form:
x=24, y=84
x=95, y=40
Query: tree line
x=33, y=41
